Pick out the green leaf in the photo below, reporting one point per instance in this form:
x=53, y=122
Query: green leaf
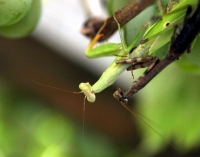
x=25, y=25
x=12, y=11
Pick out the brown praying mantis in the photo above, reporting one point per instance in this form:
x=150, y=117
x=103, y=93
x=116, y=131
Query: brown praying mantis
x=181, y=41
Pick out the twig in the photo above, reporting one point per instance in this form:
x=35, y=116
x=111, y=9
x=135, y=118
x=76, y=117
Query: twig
x=123, y=16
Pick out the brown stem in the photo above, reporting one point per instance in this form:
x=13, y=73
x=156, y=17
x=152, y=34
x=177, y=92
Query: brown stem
x=123, y=16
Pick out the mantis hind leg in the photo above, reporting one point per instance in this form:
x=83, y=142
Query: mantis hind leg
x=124, y=46
x=129, y=48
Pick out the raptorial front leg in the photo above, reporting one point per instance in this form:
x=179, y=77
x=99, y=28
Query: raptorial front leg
x=148, y=62
x=139, y=62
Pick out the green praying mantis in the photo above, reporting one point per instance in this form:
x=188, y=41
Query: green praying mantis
x=152, y=39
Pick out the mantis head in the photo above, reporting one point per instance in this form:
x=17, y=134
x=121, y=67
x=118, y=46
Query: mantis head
x=86, y=88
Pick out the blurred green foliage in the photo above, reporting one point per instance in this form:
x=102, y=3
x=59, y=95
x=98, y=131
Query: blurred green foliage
x=172, y=102
x=29, y=127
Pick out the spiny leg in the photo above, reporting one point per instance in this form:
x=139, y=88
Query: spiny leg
x=138, y=62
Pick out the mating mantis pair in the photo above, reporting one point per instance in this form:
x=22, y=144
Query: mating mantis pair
x=153, y=38
x=182, y=39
